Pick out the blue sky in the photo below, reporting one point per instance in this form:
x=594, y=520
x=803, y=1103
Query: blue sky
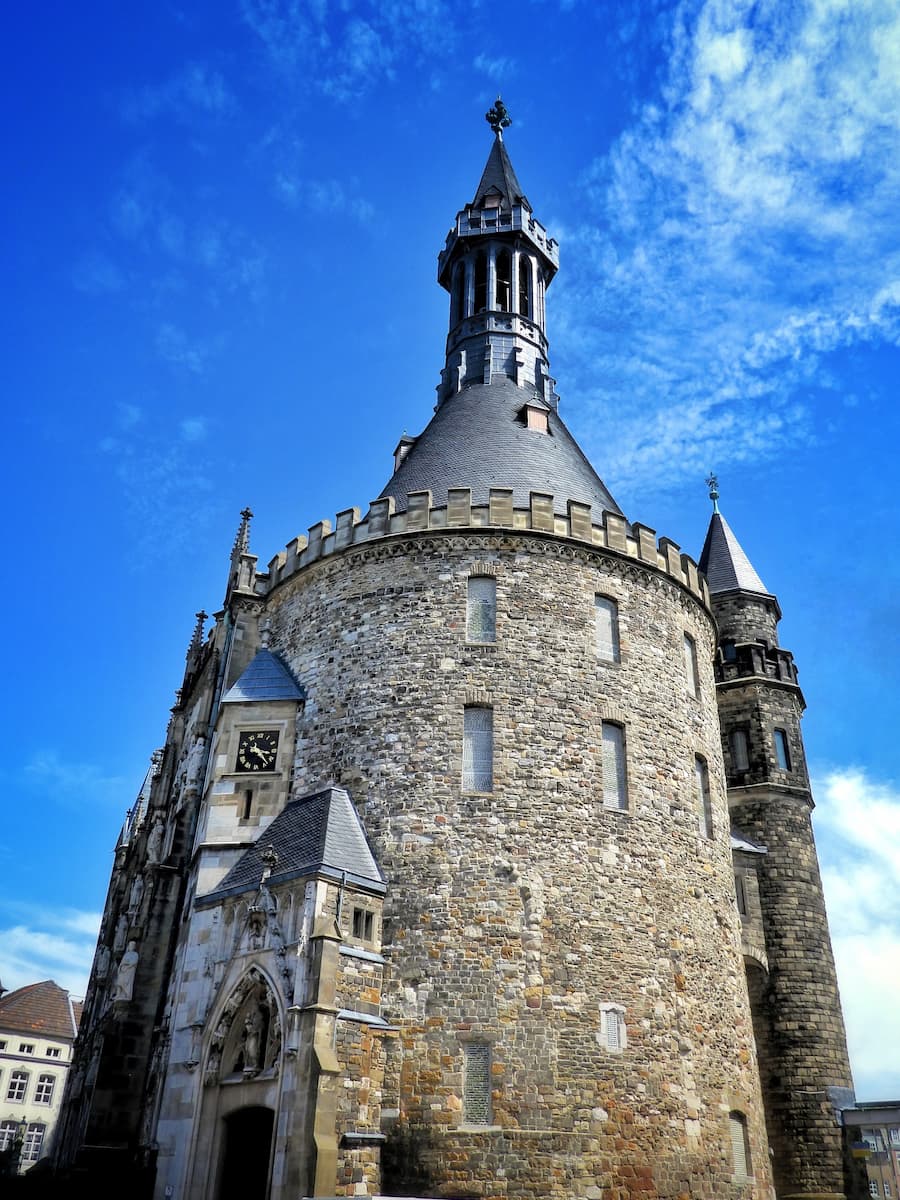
x=223, y=224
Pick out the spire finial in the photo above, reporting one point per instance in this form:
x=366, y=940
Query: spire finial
x=197, y=636
x=242, y=541
x=713, y=484
x=498, y=118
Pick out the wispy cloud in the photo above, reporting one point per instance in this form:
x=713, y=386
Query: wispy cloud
x=96, y=274
x=742, y=231
x=37, y=944
x=858, y=824
x=343, y=51
x=324, y=197
x=175, y=348
x=197, y=89
x=70, y=782
x=496, y=67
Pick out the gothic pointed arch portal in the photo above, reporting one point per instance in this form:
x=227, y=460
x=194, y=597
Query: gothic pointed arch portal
x=241, y=1094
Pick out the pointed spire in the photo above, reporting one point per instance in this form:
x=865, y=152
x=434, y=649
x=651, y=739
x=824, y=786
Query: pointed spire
x=242, y=540
x=242, y=569
x=723, y=560
x=197, y=636
x=499, y=176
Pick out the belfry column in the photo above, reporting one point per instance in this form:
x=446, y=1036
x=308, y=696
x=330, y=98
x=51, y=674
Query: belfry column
x=797, y=1019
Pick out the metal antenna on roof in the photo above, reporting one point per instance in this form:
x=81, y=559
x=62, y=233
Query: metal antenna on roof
x=713, y=484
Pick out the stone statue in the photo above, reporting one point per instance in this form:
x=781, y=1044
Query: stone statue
x=102, y=968
x=137, y=892
x=121, y=931
x=253, y=1027
x=124, y=986
x=155, y=841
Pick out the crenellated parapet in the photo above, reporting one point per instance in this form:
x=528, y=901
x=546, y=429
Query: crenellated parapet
x=743, y=660
x=611, y=533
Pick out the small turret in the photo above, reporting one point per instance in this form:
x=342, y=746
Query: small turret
x=242, y=570
x=797, y=1020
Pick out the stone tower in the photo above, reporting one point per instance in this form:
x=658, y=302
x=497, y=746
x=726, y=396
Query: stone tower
x=804, y=1067
x=442, y=900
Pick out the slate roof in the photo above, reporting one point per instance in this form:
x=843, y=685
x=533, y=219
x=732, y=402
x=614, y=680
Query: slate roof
x=476, y=439
x=320, y=833
x=40, y=1008
x=498, y=174
x=724, y=562
x=266, y=678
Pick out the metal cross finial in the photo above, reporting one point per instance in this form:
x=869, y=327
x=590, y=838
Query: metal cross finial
x=713, y=484
x=498, y=117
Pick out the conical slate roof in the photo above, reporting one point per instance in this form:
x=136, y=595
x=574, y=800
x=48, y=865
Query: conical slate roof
x=478, y=439
x=320, y=833
x=498, y=175
x=724, y=562
x=266, y=678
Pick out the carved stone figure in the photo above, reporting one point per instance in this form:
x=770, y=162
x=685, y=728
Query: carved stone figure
x=121, y=931
x=102, y=968
x=253, y=1027
x=155, y=841
x=124, y=986
x=137, y=892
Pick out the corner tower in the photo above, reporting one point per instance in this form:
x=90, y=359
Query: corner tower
x=797, y=1019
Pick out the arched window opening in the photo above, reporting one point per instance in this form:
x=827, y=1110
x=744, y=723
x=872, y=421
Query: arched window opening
x=524, y=285
x=782, y=750
x=478, y=749
x=606, y=629
x=457, y=296
x=481, y=275
x=615, y=783
x=740, y=1145
x=504, y=281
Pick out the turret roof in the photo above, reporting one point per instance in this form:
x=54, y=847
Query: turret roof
x=320, y=833
x=724, y=562
x=478, y=439
x=266, y=678
x=40, y=1008
x=499, y=175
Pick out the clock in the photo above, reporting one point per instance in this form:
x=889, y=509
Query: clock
x=257, y=750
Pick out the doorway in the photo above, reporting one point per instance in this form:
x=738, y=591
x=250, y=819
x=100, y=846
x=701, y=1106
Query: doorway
x=248, y=1147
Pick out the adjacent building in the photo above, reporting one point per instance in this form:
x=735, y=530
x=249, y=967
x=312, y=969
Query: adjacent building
x=478, y=859
x=38, y=1024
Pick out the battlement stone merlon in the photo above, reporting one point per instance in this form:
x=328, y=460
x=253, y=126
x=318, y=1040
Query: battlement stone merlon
x=612, y=533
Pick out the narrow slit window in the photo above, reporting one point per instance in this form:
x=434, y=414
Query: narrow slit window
x=704, y=801
x=524, y=285
x=782, y=752
x=478, y=749
x=481, y=610
x=690, y=665
x=740, y=1145
x=615, y=793
x=740, y=892
x=504, y=281
x=458, y=307
x=612, y=1028
x=480, y=282
x=477, y=1084
x=606, y=627
x=248, y=804
x=740, y=750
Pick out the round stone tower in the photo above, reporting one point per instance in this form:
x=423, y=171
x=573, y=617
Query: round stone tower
x=516, y=687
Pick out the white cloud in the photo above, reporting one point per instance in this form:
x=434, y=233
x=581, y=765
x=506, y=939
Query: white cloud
x=324, y=197
x=196, y=89
x=37, y=944
x=496, y=67
x=858, y=825
x=193, y=429
x=742, y=230
x=82, y=782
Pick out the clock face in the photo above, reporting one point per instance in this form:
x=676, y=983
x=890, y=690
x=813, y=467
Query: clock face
x=257, y=750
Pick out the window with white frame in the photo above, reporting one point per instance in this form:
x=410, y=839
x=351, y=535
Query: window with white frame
x=477, y=1083
x=887, y=1188
x=18, y=1084
x=478, y=749
x=53, y=1052
x=691, y=669
x=740, y=750
x=7, y=1133
x=704, y=801
x=873, y=1187
x=782, y=751
x=894, y=1135
x=740, y=1145
x=26, y=1047
x=481, y=609
x=613, y=1035
x=43, y=1093
x=606, y=629
x=615, y=781
x=34, y=1139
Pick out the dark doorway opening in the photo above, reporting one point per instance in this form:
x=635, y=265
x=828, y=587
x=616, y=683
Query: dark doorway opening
x=248, y=1147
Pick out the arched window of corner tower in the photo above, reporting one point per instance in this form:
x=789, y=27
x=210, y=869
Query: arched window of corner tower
x=524, y=285
x=458, y=295
x=481, y=277
x=504, y=280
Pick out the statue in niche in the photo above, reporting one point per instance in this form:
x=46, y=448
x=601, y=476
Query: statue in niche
x=102, y=968
x=251, y=1046
x=213, y=1064
x=137, y=892
x=155, y=841
x=121, y=931
x=124, y=986
x=194, y=762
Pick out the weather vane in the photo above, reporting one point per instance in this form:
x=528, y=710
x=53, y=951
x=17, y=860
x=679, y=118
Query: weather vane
x=498, y=117
x=713, y=484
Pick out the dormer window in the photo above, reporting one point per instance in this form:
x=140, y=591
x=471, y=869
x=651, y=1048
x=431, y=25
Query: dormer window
x=534, y=416
x=492, y=200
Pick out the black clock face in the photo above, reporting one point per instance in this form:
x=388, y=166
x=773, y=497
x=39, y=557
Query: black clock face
x=257, y=750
